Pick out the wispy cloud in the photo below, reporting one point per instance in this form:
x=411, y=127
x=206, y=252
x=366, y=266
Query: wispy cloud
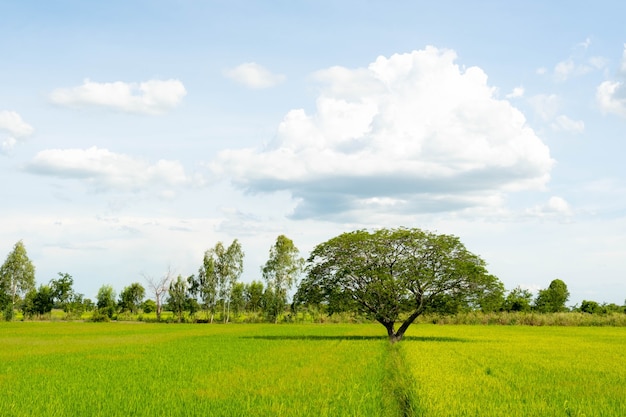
x=577, y=64
x=410, y=132
x=149, y=97
x=16, y=128
x=547, y=107
x=253, y=75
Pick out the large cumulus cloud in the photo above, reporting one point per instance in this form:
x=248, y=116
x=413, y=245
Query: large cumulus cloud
x=412, y=132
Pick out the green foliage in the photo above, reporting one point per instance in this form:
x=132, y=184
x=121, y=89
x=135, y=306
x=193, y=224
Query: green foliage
x=38, y=302
x=253, y=295
x=553, y=298
x=280, y=273
x=237, y=299
x=148, y=306
x=590, y=307
x=518, y=299
x=131, y=297
x=17, y=274
x=106, y=301
x=7, y=312
x=62, y=289
x=177, y=301
x=389, y=272
x=221, y=269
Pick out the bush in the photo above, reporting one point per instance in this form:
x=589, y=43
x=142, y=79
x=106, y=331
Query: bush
x=99, y=316
x=8, y=313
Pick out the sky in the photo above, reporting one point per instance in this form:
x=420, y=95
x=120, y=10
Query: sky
x=135, y=135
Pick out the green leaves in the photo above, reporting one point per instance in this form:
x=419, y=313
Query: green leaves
x=389, y=272
x=17, y=274
x=280, y=272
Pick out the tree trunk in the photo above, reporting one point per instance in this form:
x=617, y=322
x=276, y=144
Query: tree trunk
x=393, y=335
x=396, y=336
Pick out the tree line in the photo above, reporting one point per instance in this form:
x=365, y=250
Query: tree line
x=391, y=276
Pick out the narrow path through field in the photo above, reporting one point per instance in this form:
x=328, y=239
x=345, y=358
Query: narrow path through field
x=399, y=387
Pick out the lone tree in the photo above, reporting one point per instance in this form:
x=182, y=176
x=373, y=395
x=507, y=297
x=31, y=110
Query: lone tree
x=392, y=272
x=17, y=274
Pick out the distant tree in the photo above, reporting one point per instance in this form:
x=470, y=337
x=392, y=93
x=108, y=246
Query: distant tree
x=62, y=290
x=219, y=272
x=204, y=285
x=38, y=302
x=178, y=297
x=159, y=287
x=131, y=297
x=253, y=295
x=237, y=299
x=553, y=298
x=77, y=304
x=148, y=306
x=17, y=274
x=518, y=299
x=280, y=273
x=590, y=307
x=392, y=272
x=106, y=300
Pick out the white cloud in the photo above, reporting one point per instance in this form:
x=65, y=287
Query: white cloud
x=254, y=75
x=516, y=93
x=413, y=129
x=106, y=170
x=12, y=123
x=149, y=97
x=611, y=95
x=554, y=207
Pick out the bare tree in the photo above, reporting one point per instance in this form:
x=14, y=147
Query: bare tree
x=159, y=287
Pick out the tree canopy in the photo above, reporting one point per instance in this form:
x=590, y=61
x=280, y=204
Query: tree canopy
x=17, y=273
x=553, y=298
x=395, y=274
x=280, y=273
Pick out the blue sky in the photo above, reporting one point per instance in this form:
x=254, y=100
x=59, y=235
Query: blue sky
x=137, y=134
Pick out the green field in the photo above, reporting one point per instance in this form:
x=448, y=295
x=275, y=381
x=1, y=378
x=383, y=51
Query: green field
x=137, y=369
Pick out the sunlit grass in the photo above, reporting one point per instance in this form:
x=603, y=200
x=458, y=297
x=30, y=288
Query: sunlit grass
x=137, y=369
x=518, y=371
x=126, y=369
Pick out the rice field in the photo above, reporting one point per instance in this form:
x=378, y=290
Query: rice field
x=137, y=369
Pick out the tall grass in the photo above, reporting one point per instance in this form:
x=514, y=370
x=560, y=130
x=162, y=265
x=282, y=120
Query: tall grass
x=528, y=319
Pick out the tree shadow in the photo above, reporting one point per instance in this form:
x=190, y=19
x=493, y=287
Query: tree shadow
x=356, y=337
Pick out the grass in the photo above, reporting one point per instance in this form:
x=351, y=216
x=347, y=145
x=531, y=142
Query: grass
x=125, y=369
x=519, y=371
x=138, y=369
